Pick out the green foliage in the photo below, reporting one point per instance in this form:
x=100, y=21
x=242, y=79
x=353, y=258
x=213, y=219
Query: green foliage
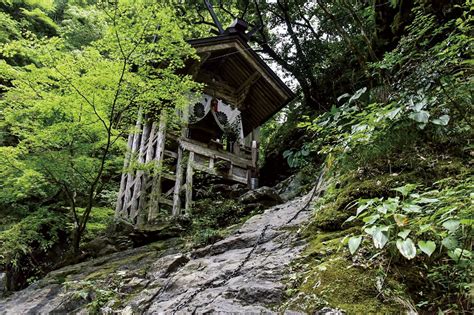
x=67, y=110
x=9, y=28
x=91, y=293
x=100, y=218
x=211, y=216
x=81, y=26
x=34, y=235
x=436, y=223
x=297, y=158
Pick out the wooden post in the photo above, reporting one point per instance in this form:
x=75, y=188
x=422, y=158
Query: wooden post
x=139, y=176
x=254, y=154
x=178, y=183
x=130, y=175
x=189, y=182
x=254, y=171
x=153, y=205
x=120, y=198
x=143, y=200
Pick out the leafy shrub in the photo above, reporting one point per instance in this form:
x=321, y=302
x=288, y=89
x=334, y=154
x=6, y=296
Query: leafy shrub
x=38, y=231
x=434, y=226
x=33, y=246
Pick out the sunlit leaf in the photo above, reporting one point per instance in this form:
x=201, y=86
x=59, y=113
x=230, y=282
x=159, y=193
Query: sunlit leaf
x=354, y=243
x=380, y=236
x=420, y=117
x=357, y=94
x=451, y=225
x=442, y=121
x=407, y=248
x=403, y=234
x=405, y=190
x=427, y=247
x=449, y=242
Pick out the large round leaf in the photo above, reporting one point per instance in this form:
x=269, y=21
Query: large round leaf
x=354, y=243
x=427, y=247
x=407, y=248
x=380, y=236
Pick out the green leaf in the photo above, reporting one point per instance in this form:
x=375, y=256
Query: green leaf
x=345, y=95
x=458, y=253
x=357, y=94
x=406, y=248
x=411, y=208
x=351, y=218
x=420, y=117
x=370, y=230
x=371, y=219
x=449, y=242
x=427, y=247
x=380, y=236
x=442, y=121
x=406, y=189
x=425, y=227
x=393, y=113
x=403, y=234
x=354, y=243
x=451, y=225
x=426, y=200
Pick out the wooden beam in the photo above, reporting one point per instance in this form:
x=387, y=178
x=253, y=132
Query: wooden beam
x=123, y=181
x=189, y=182
x=131, y=174
x=243, y=90
x=198, y=64
x=248, y=57
x=195, y=146
x=147, y=179
x=153, y=204
x=213, y=171
x=178, y=183
x=139, y=177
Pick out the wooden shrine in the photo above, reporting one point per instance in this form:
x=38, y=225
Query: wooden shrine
x=220, y=134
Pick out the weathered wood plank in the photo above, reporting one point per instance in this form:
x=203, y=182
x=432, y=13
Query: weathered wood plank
x=123, y=180
x=213, y=171
x=139, y=178
x=131, y=173
x=178, y=183
x=147, y=180
x=189, y=182
x=153, y=204
x=171, y=154
x=194, y=146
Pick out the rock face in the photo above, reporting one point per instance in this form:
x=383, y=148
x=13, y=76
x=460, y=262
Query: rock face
x=241, y=273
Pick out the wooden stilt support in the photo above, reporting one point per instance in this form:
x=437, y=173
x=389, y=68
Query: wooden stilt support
x=178, y=183
x=147, y=179
x=153, y=204
x=130, y=175
x=189, y=182
x=123, y=181
x=139, y=176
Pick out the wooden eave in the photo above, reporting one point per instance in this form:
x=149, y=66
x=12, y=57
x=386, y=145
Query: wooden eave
x=259, y=92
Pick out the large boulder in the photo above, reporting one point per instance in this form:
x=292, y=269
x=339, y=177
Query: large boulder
x=263, y=196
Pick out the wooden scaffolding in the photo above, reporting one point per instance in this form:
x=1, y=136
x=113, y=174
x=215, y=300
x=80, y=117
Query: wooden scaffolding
x=159, y=168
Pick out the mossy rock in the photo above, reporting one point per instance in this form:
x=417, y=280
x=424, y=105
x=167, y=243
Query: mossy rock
x=337, y=284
